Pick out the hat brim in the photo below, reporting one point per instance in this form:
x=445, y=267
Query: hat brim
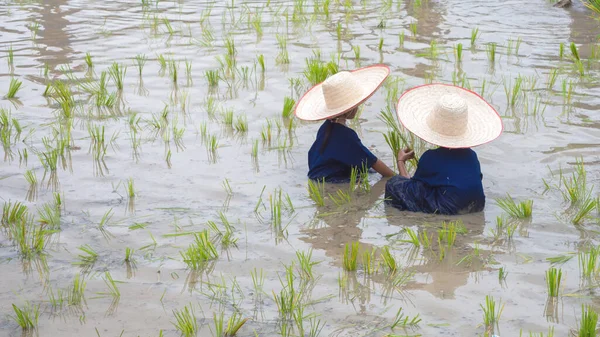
x=312, y=107
x=483, y=126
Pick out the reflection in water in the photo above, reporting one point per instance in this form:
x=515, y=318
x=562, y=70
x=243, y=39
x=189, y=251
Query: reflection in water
x=54, y=38
x=446, y=268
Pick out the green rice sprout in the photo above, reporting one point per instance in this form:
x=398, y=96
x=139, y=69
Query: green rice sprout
x=87, y=258
x=316, y=191
x=404, y=321
x=185, y=321
x=474, y=36
x=11, y=56
x=583, y=210
x=49, y=215
x=104, y=223
x=513, y=91
x=491, y=312
x=288, y=107
x=13, y=87
x=552, y=76
x=32, y=180
x=261, y=62
x=413, y=238
x=491, y=52
x=227, y=187
x=254, y=152
x=117, y=73
x=574, y=52
x=588, y=263
x=502, y=274
x=213, y=77
x=283, y=56
x=516, y=210
x=458, y=50
x=26, y=316
x=130, y=188
x=380, y=45
x=234, y=324
x=350, y=261
x=317, y=71
x=306, y=264
x=241, y=124
x=276, y=205
x=389, y=261
x=356, y=50
x=594, y=5
x=173, y=71
x=200, y=251
x=338, y=31
x=228, y=117
x=129, y=254
x=553, y=280
x=588, y=324
x=168, y=26
x=88, y=60
x=113, y=290
x=140, y=61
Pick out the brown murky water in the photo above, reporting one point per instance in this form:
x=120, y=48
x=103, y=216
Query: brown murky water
x=179, y=184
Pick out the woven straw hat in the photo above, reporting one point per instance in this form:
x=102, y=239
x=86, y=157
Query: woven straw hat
x=448, y=116
x=340, y=93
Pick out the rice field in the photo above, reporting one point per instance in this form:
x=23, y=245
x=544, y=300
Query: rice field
x=153, y=176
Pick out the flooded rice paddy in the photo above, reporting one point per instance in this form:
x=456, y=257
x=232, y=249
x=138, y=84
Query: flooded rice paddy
x=152, y=184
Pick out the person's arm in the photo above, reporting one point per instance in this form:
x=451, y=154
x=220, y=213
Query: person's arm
x=383, y=169
x=403, y=156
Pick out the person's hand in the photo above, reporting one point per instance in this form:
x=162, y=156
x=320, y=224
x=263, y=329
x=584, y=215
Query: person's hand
x=405, y=154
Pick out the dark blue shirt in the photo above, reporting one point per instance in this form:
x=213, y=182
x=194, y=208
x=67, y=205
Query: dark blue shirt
x=455, y=173
x=342, y=151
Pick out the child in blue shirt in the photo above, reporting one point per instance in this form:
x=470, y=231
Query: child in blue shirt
x=447, y=180
x=337, y=148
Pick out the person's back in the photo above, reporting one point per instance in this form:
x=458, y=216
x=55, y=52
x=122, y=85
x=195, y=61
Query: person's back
x=336, y=150
x=455, y=175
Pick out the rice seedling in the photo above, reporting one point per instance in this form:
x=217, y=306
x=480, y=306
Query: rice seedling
x=350, y=260
x=574, y=52
x=518, y=45
x=13, y=87
x=10, y=58
x=200, y=251
x=212, y=144
x=552, y=76
x=185, y=321
x=491, y=312
x=88, y=60
x=413, y=29
x=162, y=61
x=316, y=191
x=413, y=238
x=389, y=261
x=588, y=324
x=254, y=153
x=401, y=39
x=380, y=45
x=588, y=263
x=241, y=124
x=261, y=62
x=87, y=258
x=168, y=26
x=111, y=284
x=502, y=274
x=404, y=321
x=26, y=316
x=49, y=215
x=140, y=61
x=104, y=223
x=317, y=71
x=583, y=210
x=173, y=66
x=306, y=264
x=117, y=73
x=64, y=97
x=521, y=210
x=513, y=91
x=282, y=56
x=474, y=36
x=129, y=254
x=553, y=280
x=31, y=179
x=458, y=49
x=288, y=107
x=491, y=52
x=594, y=5
x=213, y=78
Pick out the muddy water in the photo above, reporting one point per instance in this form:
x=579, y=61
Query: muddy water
x=182, y=193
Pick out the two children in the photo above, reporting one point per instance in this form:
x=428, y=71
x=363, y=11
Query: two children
x=447, y=180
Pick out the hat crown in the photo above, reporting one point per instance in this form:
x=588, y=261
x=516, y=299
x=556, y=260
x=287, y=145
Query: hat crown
x=337, y=87
x=450, y=116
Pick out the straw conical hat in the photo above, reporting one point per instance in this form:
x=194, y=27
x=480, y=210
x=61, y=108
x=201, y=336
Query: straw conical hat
x=448, y=116
x=340, y=93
